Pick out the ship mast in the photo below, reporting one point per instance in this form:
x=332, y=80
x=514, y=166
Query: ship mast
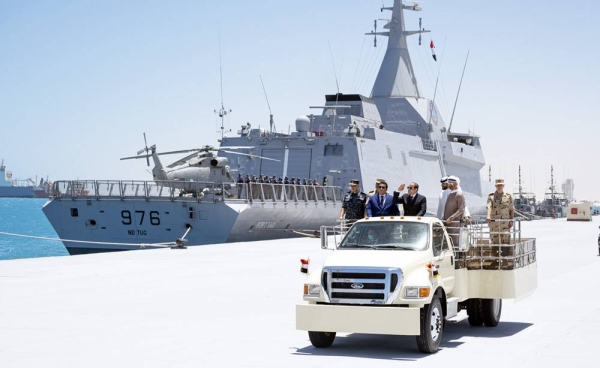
x=520, y=188
x=552, y=183
x=396, y=77
x=222, y=112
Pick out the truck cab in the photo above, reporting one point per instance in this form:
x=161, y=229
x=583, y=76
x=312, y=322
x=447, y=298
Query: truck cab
x=407, y=276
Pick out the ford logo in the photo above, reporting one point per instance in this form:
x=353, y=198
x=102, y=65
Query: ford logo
x=357, y=286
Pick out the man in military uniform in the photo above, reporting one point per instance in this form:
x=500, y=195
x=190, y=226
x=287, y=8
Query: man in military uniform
x=500, y=206
x=353, y=207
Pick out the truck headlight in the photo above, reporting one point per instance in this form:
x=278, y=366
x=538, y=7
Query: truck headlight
x=312, y=289
x=417, y=292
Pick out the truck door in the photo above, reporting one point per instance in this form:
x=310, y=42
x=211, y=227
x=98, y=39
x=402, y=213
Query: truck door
x=443, y=255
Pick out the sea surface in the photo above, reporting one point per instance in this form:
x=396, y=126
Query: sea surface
x=24, y=216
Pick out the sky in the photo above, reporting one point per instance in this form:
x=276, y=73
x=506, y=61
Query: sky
x=80, y=81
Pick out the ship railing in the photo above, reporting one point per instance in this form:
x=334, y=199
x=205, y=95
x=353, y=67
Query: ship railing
x=267, y=192
x=132, y=189
x=194, y=191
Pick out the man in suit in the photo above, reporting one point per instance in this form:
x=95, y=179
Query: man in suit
x=381, y=203
x=414, y=203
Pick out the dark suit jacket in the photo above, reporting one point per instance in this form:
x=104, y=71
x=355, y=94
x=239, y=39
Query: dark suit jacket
x=387, y=209
x=412, y=207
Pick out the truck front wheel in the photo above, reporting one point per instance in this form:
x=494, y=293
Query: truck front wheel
x=321, y=339
x=475, y=312
x=432, y=324
x=492, y=309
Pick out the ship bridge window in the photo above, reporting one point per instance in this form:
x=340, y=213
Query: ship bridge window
x=334, y=150
x=465, y=139
x=355, y=110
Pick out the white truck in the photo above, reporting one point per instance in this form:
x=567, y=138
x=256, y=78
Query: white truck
x=403, y=276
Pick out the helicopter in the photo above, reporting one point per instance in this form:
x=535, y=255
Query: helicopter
x=196, y=173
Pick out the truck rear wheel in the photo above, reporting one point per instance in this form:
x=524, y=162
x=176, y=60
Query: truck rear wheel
x=492, y=309
x=432, y=324
x=321, y=339
x=475, y=312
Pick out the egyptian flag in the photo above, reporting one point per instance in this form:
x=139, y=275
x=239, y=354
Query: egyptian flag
x=304, y=265
x=432, y=46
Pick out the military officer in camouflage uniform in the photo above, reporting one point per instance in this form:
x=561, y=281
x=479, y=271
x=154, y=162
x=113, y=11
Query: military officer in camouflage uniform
x=353, y=207
x=500, y=206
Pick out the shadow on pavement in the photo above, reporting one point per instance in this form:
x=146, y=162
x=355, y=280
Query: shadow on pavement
x=391, y=347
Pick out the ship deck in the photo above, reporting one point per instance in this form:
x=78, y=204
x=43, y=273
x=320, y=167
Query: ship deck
x=232, y=305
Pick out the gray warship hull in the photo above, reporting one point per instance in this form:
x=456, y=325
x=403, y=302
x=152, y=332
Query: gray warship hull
x=118, y=215
x=395, y=134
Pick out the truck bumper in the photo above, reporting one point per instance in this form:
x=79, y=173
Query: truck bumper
x=358, y=319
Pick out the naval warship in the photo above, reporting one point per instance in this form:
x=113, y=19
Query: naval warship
x=555, y=203
x=10, y=187
x=395, y=133
x=524, y=202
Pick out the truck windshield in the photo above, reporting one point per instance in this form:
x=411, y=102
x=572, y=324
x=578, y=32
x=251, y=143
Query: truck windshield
x=387, y=235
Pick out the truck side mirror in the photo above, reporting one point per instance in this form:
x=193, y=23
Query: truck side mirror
x=323, y=235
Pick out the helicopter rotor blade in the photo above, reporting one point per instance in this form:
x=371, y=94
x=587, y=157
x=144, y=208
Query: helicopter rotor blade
x=234, y=147
x=134, y=157
x=182, y=160
x=247, y=154
x=181, y=151
x=145, y=146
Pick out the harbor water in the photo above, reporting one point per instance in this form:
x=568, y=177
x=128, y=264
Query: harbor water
x=24, y=216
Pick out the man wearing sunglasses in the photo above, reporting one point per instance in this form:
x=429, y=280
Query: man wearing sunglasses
x=414, y=203
x=381, y=203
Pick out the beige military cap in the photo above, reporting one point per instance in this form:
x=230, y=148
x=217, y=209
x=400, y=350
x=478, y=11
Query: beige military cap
x=499, y=181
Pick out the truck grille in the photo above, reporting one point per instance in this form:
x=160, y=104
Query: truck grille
x=364, y=285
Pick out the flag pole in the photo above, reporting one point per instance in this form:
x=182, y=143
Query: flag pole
x=437, y=79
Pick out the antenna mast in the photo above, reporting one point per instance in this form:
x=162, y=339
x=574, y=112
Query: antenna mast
x=552, y=182
x=520, y=188
x=458, y=93
x=222, y=112
x=271, y=122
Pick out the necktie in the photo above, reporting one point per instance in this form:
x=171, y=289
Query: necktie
x=380, y=200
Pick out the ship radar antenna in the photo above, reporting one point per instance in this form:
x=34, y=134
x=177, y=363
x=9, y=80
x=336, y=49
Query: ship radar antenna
x=222, y=112
x=271, y=121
